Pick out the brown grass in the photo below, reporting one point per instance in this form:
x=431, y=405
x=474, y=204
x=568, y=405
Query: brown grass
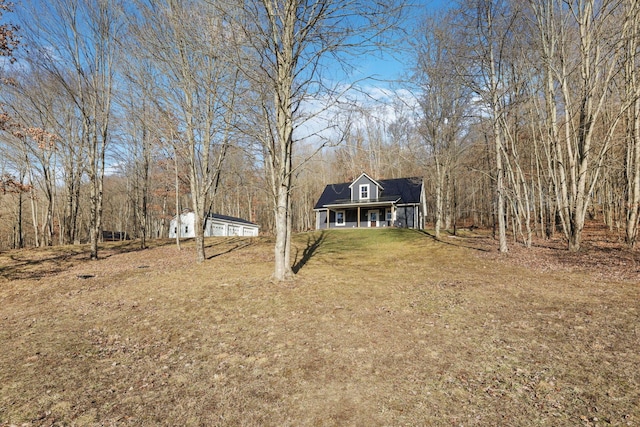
x=384, y=327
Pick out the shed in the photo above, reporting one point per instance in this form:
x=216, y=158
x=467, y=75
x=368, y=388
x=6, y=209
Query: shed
x=215, y=225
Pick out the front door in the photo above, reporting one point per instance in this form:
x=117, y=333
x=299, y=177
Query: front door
x=373, y=218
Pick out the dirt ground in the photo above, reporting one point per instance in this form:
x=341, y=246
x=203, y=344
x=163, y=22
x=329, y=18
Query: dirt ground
x=378, y=328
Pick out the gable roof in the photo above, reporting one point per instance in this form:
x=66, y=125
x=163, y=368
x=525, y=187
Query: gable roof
x=369, y=178
x=230, y=219
x=214, y=216
x=399, y=190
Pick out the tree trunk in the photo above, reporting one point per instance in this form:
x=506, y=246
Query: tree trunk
x=20, y=236
x=439, y=185
x=178, y=212
x=633, y=174
x=498, y=149
x=144, y=216
x=198, y=225
x=94, y=205
x=283, y=269
x=632, y=84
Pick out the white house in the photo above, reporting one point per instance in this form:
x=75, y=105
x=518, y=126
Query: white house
x=216, y=225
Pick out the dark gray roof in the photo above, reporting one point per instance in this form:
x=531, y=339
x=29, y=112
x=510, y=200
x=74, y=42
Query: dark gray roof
x=407, y=190
x=230, y=218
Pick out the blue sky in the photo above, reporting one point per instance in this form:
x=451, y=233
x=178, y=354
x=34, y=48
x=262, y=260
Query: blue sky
x=382, y=70
x=385, y=67
x=381, y=87
x=392, y=65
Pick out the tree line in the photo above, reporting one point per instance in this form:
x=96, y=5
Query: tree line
x=552, y=87
x=521, y=115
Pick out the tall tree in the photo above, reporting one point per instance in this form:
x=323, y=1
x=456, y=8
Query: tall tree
x=484, y=29
x=188, y=44
x=74, y=41
x=141, y=120
x=34, y=104
x=581, y=50
x=445, y=104
x=631, y=94
x=290, y=47
x=8, y=43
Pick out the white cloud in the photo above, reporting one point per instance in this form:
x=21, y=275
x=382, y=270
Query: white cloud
x=326, y=118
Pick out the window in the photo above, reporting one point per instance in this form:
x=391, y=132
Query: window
x=175, y=230
x=186, y=229
x=389, y=216
x=340, y=218
x=364, y=191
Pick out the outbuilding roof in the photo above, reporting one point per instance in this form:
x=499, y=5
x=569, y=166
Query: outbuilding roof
x=230, y=219
x=399, y=190
x=220, y=217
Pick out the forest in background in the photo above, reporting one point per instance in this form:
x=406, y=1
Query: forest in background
x=524, y=116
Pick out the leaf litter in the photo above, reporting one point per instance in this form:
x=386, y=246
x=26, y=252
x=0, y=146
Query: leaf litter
x=385, y=327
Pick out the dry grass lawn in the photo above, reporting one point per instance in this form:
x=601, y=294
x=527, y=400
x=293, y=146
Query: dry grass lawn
x=379, y=328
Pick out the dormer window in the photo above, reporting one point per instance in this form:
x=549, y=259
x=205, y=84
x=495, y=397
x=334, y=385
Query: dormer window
x=364, y=191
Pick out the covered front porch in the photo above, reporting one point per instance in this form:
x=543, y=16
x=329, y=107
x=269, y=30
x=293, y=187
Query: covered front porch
x=357, y=216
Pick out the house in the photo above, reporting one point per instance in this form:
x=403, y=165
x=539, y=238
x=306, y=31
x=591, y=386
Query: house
x=215, y=225
x=366, y=202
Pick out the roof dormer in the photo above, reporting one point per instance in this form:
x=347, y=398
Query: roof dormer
x=365, y=188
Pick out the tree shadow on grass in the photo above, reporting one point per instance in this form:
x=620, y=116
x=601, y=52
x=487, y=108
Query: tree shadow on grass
x=461, y=242
x=40, y=263
x=312, y=247
x=234, y=244
x=22, y=266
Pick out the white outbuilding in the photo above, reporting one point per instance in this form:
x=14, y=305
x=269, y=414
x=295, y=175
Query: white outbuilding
x=216, y=225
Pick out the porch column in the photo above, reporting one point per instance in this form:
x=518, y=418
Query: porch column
x=358, y=216
x=327, y=218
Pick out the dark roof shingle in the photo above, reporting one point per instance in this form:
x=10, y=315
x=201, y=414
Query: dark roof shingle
x=230, y=218
x=406, y=189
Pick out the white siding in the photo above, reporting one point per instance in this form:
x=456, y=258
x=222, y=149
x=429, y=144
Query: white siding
x=186, y=226
x=216, y=227
x=234, y=230
x=250, y=231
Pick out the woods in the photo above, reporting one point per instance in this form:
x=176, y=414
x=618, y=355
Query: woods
x=523, y=116
x=552, y=90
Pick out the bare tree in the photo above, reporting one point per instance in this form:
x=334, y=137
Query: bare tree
x=141, y=120
x=483, y=31
x=188, y=45
x=580, y=50
x=445, y=104
x=34, y=105
x=74, y=42
x=9, y=40
x=631, y=95
x=290, y=46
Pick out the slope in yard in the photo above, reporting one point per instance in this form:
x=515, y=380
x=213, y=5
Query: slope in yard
x=379, y=327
